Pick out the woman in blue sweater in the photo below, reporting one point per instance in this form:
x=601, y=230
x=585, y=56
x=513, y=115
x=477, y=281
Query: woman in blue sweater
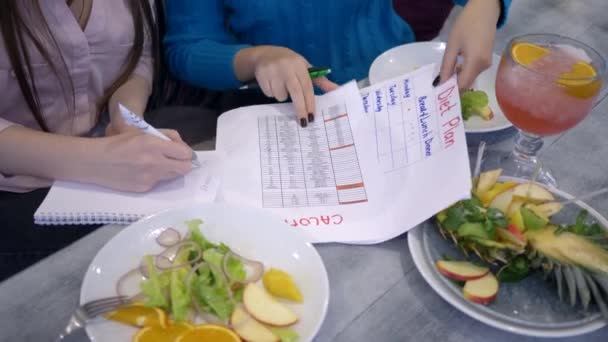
x=219, y=44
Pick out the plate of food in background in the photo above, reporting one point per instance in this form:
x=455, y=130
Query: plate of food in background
x=480, y=107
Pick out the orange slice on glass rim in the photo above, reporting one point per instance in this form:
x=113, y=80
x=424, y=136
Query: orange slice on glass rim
x=139, y=316
x=581, y=81
x=527, y=53
x=209, y=332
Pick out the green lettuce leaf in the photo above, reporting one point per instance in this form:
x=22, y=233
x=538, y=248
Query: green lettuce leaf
x=286, y=335
x=196, y=236
x=153, y=287
x=180, y=296
x=213, y=257
x=211, y=293
x=236, y=269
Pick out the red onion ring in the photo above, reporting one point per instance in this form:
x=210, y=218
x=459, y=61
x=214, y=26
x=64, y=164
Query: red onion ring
x=143, y=269
x=165, y=260
x=123, y=282
x=256, y=266
x=192, y=271
x=168, y=237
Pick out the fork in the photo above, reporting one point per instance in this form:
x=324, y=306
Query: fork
x=90, y=310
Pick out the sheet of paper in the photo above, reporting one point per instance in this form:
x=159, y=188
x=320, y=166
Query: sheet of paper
x=322, y=178
x=374, y=163
x=420, y=147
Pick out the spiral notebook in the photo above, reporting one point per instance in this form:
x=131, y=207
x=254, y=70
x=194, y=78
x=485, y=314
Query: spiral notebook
x=70, y=203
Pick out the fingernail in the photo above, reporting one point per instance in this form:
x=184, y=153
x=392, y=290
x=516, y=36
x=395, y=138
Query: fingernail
x=311, y=117
x=303, y=122
x=436, y=81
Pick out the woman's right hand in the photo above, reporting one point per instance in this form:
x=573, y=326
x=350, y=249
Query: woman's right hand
x=282, y=73
x=137, y=162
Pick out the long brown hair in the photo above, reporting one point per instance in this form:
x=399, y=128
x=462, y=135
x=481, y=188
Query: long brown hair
x=16, y=32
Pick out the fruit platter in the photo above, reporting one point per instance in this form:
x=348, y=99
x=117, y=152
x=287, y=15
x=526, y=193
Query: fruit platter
x=519, y=256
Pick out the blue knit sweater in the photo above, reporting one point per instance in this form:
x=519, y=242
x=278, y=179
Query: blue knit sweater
x=346, y=35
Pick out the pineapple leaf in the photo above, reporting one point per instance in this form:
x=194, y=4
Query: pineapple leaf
x=597, y=296
x=560, y=281
x=570, y=284
x=581, y=286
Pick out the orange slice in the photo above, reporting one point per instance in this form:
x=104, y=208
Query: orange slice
x=209, y=332
x=526, y=53
x=139, y=316
x=157, y=334
x=581, y=81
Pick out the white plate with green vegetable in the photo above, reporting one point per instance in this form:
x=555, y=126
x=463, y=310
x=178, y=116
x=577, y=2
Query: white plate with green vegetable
x=515, y=258
x=406, y=58
x=204, y=263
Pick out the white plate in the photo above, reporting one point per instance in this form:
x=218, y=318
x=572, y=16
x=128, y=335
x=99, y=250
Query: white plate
x=249, y=232
x=530, y=307
x=406, y=58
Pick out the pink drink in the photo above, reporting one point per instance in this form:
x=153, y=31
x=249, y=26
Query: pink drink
x=533, y=100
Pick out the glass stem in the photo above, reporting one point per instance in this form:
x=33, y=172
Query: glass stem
x=527, y=146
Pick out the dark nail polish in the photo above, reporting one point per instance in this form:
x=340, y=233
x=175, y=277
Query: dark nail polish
x=436, y=81
x=303, y=122
x=311, y=118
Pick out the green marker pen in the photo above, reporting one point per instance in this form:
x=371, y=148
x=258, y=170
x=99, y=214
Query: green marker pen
x=314, y=72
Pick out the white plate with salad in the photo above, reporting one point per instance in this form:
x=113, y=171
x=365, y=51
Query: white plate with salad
x=204, y=270
x=482, y=114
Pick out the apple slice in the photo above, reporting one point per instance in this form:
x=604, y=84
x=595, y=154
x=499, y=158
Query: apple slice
x=482, y=290
x=502, y=201
x=249, y=329
x=511, y=235
x=487, y=180
x=513, y=229
x=532, y=192
x=263, y=307
x=514, y=206
x=547, y=209
x=461, y=270
x=496, y=190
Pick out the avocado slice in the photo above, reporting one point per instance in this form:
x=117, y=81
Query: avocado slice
x=531, y=220
x=474, y=230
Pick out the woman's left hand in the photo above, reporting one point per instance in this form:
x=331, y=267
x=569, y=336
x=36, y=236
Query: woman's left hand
x=472, y=36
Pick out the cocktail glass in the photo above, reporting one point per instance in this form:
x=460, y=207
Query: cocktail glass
x=545, y=85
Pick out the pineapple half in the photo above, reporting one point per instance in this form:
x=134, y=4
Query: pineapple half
x=574, y=256
x=577, y=263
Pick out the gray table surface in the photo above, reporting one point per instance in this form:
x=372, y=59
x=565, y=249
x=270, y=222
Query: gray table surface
x=376, y=292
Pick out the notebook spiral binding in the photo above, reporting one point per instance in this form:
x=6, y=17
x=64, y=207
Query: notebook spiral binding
x=50, y=219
